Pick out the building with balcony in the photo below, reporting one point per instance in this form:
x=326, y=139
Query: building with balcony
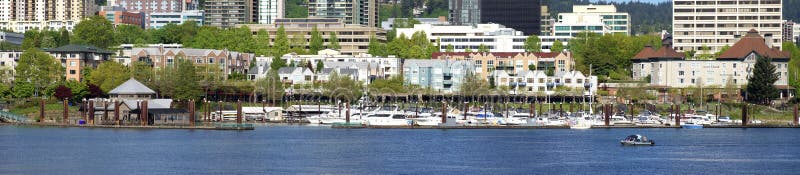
x=227, y=13
x=375, y=67
x=715, y=24
x=161, y=19
x=23, y=15
x=119, y=16
x=353, y=39
x=485, y=64
x=148, y=7
x=523, y=15
x=445, y=76
x=538, y=82
x=602, y=19
x=496, y=37
x=269, y=10
x=362, y=12
x=75, y=57
x=227, y=61
x=8, y=61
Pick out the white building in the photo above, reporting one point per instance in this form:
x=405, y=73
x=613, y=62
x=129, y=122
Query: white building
x=269, y=10
x=439, y=75
x=496, y=37
x=20, y=16
x=389, y=23
x=8, y=61
x=160, y=19
x=537, y=81
x=296, y=75
x=718, y=23
x=377, y=66
x=601, y=19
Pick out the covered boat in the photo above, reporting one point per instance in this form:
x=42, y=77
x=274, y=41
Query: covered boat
x=636, y=140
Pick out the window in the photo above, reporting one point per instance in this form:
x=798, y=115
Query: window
x=680, y=73
x=72, y=63
x=72, y=72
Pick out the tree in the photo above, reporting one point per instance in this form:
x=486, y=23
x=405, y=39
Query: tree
x=186, y=80
x=722, y=50
x=281, y=46
x=64, y=39
x=557, y=46
x=343, y=88
x=143, y=72
x=316, y=41
x=63, y=92
x=731, y=90
x=262, y=43
x=78, y=89
x=533, y=44
x=270, y=87
x=109, y=75
x=705, y=53
x=35, y=70
x=468, y=49
x=483, y=48
x=391, y=86
x=95, y=30
x=333, y=42
x=129, y=34
x=320, y=66
x=450, y=48
x=299, y=44
x=760, y=89
x=473, y=85
x=48, y=41
x=32, y=39
x=532, y=67
x=376, y=48
x=94, y=91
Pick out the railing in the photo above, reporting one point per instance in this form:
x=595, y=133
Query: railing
x=11, y=117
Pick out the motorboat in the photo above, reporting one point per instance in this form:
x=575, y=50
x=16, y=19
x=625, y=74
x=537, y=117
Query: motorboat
x=636, y=140
x=387, y=116
x=518, y=119
x=725, y=119
x=690, y=125
x=581, y=123
x=618, y=119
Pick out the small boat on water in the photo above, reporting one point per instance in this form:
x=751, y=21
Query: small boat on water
x=636, y=140
x=689, y=125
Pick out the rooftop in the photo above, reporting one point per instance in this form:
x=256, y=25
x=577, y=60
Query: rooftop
x=80, y=48
x=132, y=87
x=752, y=42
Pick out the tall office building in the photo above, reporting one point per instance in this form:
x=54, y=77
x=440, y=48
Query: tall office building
x=227, y=13
x=522, y=15
x=364, y=12
x=23, y=15
x=605, y=16
x=716, y=23
x=148, y=7
x=269, y=10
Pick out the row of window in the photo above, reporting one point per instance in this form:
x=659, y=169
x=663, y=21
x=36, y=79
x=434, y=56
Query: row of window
x=727, y=2
x=749, y=17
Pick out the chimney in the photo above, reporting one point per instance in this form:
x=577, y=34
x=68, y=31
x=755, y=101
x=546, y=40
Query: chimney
x=768, y=39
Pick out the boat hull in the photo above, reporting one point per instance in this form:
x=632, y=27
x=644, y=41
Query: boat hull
x=628, y=143
x=690, y=126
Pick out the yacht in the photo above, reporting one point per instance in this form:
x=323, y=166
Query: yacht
x=518, y=119
x=387, y=116
x=581, y=123
x=619, y=119
x=424, y=117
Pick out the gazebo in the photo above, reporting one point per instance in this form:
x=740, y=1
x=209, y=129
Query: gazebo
x=131, y=90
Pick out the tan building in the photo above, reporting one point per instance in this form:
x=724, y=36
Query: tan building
x=75, y=58
x=716, y=23
x=227, y=13
x=354, y=39
x=23, y=15
x=363, y=12
x=231, y=62
x=512, y=62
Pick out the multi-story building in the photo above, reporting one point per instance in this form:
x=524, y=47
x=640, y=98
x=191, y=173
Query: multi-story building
x=379, y=67
x=537, y=81
x=363, y=12
x=269, y=10
x=440, y=21
x=788, y=31
x=227, y=13
x=494, y=36
x=12, y=38
x=546, y=21
x=8, y=61
x=464, y=12
x=228, y=61
x=523, y=15
x=75, y=58
x=23, y=15
x=147, y=7
x=353, y=39
x=512, y=62
x=118, y=15
x=595, y=18
x=444, y=76
x=668, y=68
x=716, y=23
x=160, y=19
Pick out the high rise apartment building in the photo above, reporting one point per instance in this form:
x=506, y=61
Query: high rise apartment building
x=269, y=10
x=23, y=15
x=363, y=12
x=597, y=15
x=227, y=13
x=522, y=15
x=716, y=23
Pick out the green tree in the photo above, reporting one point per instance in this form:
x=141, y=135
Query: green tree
x=722, y=50
x=277, y=63
x=533, y=44
x=35, y=71
x=473, y=85
x=32, y=39
x=281, y=46
x=95, y=30
x=48, y=42
x=468, y=49
x=79, y=90
x=64, y=39
x=109, y=75
x=262, y=43
x=557, y=46
x=483, y=48
x=143, y=72
x=333, y=42
x=760, y=89
x=450, y=48
x=129, y=34
x=186, y=80
x=376, y=48
x=320, y=66
x=317, y=43
x=270, y=87
x=299, y=44
x=343, y=88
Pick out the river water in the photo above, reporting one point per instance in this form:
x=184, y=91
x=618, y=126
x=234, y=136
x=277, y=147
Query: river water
x=282, y=149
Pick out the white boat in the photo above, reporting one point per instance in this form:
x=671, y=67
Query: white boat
x=620, y=120
x=517, y=119
x=387, y=116
x=581, y=123
x=317, y=119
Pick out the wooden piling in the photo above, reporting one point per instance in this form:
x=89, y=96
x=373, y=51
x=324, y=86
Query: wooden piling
x=41, y=110
x=532, y=108
x=66, y=112
x=238, y=112
x=191, y=113
x=347, y=114
x=466, y=107
x=116, y=112
x=607, y=114
x=744, y=114
x=444, y=112
x=678, y=115
x=144, y=114
x=795, y=115
x=105, y=111
x=91, y=112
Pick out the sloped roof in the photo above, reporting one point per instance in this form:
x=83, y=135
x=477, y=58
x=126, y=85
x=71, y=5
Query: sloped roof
x=752, y=42
x=151, y=104
x=497, y=54
x=80, y=48
x=645, y=53
x=132, y=87
x=667, y=52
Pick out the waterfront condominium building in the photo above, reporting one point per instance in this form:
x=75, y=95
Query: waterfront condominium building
x=269, y=10
x=227, y=13
x=716, y=23
x=364, y=12
x=496, y=37
x=444, y=76
x=536, y=81
x=353, y=38
x=23, y=15
x=595, y=18
x=512, y=63
x=523, y=15
x=666, y=67
x=160, y=19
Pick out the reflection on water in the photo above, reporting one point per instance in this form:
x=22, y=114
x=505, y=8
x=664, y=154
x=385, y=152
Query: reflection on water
x=281, y=149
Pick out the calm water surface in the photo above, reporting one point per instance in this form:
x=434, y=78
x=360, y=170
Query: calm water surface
x=322, y=150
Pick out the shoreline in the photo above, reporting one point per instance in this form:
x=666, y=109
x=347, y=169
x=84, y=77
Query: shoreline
x=213, y=127
x=551, y=127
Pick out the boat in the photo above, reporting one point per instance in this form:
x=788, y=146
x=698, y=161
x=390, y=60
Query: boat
x=689, y=125
x=581, y=123
x=619, y=119
x=636, y=140
x=518, y=119
x=387, y=116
